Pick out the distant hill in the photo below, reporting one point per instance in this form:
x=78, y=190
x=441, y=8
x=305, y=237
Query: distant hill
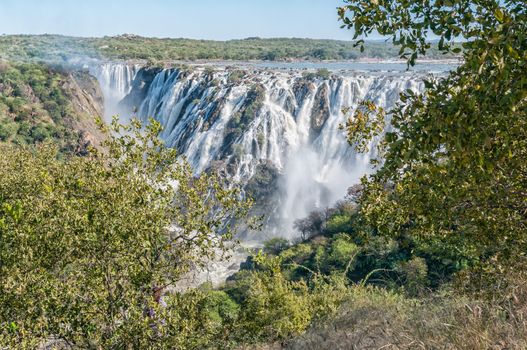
x=63, y=49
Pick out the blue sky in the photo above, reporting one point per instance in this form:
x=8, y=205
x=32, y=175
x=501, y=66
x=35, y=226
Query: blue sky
x=199, y=19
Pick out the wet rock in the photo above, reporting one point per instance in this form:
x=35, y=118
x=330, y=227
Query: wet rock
x=320, y=111
x=140, y=86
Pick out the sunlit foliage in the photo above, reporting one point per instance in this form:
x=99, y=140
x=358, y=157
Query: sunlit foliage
x=454, y=171
x=88, y=245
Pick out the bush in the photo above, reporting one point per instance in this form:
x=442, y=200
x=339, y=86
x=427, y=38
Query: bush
x=323, y=73
x=339, y=223
x=297, y=253
x=236, y=76
x=275, y=308
x=7, y=130
x=40, y=133
x=92, y=237
x=220, y=308
x=276, y=245
x=342, y=253
x=309, y=76
x=415, y=274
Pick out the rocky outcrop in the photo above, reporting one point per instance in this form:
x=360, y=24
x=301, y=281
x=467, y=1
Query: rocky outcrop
x=320, y=111
x=87, y=102
x=85, y=94
x=301, y=88
x=140, y=86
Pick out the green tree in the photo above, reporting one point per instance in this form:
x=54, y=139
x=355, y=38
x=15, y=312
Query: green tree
x=454, y=172
x=88, y=245
x=276, y=245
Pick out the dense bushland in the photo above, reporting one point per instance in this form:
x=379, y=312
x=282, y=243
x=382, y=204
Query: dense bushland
x=63, y=49
x=88, y=245
x=36, y=105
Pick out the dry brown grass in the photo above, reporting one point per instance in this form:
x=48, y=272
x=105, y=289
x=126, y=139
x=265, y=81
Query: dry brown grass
x=377, y=319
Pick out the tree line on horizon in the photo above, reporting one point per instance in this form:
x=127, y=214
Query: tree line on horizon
x=59, y=48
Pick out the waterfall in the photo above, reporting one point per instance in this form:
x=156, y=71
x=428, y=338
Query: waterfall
x=116, y=81
x=280, y=122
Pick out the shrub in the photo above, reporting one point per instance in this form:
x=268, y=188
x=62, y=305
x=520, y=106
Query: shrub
x=323, y=73
x=342, y=253
x=297, y=253
x=415, y=273
x=236, y=76
x=276, y=245
x=40, y=133
x=275, y=308
x=310, y=76
x=339, y=223
x=7, y=129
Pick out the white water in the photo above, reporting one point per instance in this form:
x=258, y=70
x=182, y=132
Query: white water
x=116, y=82
x=316, y=164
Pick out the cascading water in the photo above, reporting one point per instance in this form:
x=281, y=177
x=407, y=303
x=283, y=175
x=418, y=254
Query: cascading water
x=116, y=82
x=260, y=122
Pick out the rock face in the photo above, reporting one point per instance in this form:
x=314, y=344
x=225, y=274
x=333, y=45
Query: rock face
x=261, y=125
x=319, y=112
x=138, y=90
x=301, y=89
x=85, y=94
x=87, y=100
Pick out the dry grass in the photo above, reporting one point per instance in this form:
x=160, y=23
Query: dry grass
x=377, y=319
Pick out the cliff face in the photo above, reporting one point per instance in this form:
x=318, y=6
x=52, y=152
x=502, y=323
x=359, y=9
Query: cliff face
x=320, y=111
x=138, y=89
x=87, y=101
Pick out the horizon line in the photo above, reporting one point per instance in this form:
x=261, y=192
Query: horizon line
x=124, y=35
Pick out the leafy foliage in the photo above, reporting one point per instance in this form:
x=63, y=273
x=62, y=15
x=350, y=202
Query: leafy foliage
x=275, y=245
x=34, y=106
x=410, y=24
x=274, y=307
x=341, y=244
x=453, y=172
x=88, y=245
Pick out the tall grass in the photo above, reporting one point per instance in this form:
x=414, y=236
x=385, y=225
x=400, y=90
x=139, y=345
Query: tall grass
x=373, y=318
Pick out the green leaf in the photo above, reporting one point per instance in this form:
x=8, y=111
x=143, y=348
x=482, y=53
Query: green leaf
x=498, y=13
